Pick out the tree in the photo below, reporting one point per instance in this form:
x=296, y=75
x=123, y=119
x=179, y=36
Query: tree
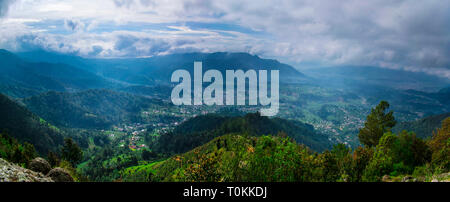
x=53, y=159
x=71, y=152
x=440, y=146
x=29, y=152
x=361, y=158
x=147, y=155
x=378, y=122
x=382, y=162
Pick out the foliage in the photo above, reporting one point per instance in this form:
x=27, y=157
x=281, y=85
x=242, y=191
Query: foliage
x=13, y=151
x=71, y=152
x=23, y=125
x=88, y=109
x=378, y=122
x=201, y=129
x=440, y=146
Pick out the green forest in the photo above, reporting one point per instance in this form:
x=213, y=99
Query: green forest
x=384, y=156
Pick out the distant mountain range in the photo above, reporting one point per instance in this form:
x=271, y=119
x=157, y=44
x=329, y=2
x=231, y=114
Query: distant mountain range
x=146, y=71
x=20, y=78
x=352, y=76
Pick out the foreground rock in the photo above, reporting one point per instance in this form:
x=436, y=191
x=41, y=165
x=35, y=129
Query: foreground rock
x=10, y=172
x=40, y=165
x=60, y=175
x=444, y=177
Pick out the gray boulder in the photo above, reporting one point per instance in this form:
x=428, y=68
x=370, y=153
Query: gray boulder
x=39, y=165
x=10, y=172
x=409, y=179
x=60, y=175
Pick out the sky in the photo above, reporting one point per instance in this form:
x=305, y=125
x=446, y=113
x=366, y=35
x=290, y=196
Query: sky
x=397, y=34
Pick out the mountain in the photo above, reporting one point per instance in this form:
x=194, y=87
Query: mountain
x=21, y=78
x=165, y=65
x=201, y=129
x=348, y=76
x=423, y=128
x=42, y=56
x=445, y=90
x=18, y=122
x=88, y=109
x=147, y=71
x=156, y=91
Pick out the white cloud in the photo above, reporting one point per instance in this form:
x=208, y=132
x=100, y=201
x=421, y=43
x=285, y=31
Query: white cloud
x=394, y=34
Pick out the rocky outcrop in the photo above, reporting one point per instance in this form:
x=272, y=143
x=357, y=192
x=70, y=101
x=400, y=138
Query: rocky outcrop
x=10, y=172
x=60, y=175
x=39, y=165
x=444, y=177
x=409, y=179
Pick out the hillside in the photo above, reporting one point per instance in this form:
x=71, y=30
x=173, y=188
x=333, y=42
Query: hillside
x=423, y=128
x=202, y=129
x=157, y=91
x=89, y=109
x=228, y=158
x=18, y=122
x=21, y=78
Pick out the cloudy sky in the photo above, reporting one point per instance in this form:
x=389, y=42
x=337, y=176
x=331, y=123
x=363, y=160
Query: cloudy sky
x=411, y=35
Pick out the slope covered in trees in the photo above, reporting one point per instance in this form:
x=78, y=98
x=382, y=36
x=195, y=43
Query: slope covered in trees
x=239, y=157
x=18, y=122
x=202, y=129
x=423, y=128
x=88, y=109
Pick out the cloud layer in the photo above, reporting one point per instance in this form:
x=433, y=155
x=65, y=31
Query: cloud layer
x=4, y=6
x=412, y=35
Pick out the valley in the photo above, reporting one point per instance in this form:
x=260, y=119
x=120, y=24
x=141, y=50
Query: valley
x=120, y=113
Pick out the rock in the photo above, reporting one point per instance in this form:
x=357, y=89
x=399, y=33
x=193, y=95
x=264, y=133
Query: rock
x=59, y=175
x=39, y=165
x=443, y=177
x=421, y=179
x=409, y=179
x=385, y=178
x=10, y=172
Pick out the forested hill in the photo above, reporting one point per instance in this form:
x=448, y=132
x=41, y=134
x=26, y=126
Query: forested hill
x=201, y=129
x=88, y=109
x=21, y=78
x=18, y=122
x=423, y=128
x=230, y=158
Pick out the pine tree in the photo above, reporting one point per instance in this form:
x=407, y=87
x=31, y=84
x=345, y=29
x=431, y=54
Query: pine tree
x=378, y=122
x=71, y=152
